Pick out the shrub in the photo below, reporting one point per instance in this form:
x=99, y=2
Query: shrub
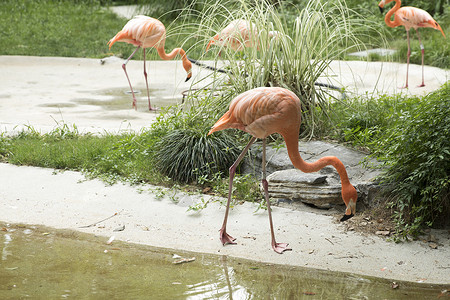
x=417, y=154
x=412, y=137
x=186, y=154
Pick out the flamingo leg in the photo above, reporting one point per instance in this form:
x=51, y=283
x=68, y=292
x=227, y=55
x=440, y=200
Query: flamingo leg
x=407, y=58
x=277, y=247
x=422, y=49
x=124, y=67
x=146, y=82
x=225, y=238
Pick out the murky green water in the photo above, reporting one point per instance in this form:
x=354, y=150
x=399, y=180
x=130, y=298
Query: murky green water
x=43, y=263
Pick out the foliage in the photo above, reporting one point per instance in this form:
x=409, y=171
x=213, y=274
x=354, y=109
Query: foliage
x=60, y=148
x=411, y=136
x=245, y=186
x=306, y=42
x=186, y=154
x=362, y=120
x=82, y=28
x=111, y=157
x=129, y=157
x=417, y=152
x=56, y=28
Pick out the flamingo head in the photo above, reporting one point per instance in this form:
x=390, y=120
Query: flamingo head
x=188, y=67
x=383, y=3
x=274, y=34
x=349, y=195
x=211, y=42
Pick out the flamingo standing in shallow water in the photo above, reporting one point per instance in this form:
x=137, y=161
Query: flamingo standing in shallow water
x=261, y=112
x=410, y=17
x=146, y=32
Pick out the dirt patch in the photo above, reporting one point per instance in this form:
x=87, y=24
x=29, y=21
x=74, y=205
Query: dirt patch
x=377, y=221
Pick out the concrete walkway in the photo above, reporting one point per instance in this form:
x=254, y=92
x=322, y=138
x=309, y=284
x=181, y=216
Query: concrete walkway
x=65, y=200
x=42, y=91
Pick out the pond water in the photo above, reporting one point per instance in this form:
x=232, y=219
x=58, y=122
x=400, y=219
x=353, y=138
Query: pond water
x=120, y=99
x=44, y=263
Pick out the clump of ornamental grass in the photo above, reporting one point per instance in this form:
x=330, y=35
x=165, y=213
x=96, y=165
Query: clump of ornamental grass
x=304, y=45
x=187, y=154
x=306, y=40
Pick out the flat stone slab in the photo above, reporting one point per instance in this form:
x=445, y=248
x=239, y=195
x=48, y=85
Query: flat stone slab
x=323, y=188
x=309, y=188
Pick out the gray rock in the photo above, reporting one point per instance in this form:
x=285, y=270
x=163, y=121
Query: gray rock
x=309, y=188
x=323, y=188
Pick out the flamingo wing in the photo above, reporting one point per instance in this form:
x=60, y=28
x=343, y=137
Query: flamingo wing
x=261, y=112
x=412, y=17
x=141, y=31
x=237, y=35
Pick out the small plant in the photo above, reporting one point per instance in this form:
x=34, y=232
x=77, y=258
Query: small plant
x=187, y=154
x=202, y=204
x=411, y=136
x=4, y=146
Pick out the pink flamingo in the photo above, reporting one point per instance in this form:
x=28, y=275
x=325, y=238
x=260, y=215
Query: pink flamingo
x=146, y=32
x=239, y=34
x=261, y=112
x=410, y=17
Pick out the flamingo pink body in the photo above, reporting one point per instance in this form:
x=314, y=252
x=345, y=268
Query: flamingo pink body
x=410, y=17
x=237, y=35
x=146, y=32
x=262, y=112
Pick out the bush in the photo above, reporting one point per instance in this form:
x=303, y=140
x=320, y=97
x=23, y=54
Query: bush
x=417, y=153
x=412, y=137
x=187, y=154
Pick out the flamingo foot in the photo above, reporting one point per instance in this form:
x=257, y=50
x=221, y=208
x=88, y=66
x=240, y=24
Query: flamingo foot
x=225, y=238
x=153, y=108
x=422, y=85
x=404, y=87
x=280, y=247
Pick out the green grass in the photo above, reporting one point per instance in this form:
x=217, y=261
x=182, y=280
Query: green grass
x=131, y=157
x=69, y=29
x=111, y=157
x=56, y=28
x=82, y=28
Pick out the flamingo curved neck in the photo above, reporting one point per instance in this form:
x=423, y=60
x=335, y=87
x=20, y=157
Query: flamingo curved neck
x=186, y=63
x=299, y=163
x=162, y=53
x=388, y=16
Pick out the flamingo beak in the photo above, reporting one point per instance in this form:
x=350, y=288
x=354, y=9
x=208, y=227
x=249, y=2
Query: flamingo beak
x=189, y=75
x=350, y=211
x=346, y=217
x=381, y=9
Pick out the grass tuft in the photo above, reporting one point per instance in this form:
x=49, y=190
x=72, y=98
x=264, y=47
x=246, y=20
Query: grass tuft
x=186, y=154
